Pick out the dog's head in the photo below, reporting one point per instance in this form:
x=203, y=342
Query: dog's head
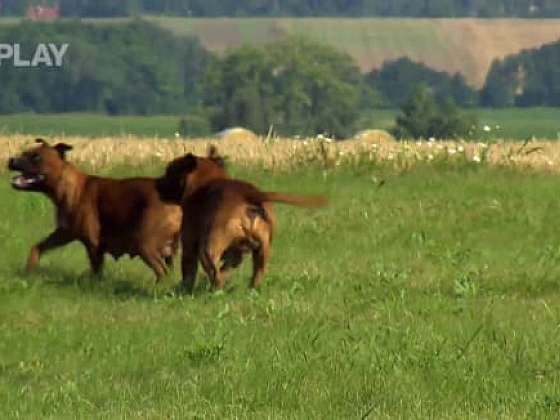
x=38, y=166
x=188, y=173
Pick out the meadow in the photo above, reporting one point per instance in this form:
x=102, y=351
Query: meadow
x=513, y=124
x=427, y=289
x=88, y=124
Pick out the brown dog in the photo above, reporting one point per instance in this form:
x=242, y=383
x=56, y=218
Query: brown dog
x=223, y=218
x=112, y=216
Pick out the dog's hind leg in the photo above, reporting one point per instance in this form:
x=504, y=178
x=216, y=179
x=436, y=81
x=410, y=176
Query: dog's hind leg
x=260, y=259
x=58, y=238
x=169, y=251
x=169, y=262
x=210, y=258
x=262, y=237
x=155, y=261
x=95, y=255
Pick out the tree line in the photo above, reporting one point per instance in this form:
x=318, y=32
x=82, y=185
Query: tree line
x=293, y=86
x=530, y=78
x=242, y=8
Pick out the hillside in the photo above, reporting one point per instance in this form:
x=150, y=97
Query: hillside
x=454, y=45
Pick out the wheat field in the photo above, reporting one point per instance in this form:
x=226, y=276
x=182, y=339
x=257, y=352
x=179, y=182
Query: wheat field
x=278, y=153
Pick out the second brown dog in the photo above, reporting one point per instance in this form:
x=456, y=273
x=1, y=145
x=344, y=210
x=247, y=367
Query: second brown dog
x=223, y=218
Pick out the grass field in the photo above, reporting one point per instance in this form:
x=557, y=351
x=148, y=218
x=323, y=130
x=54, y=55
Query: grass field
x=511, y=123
x=424, y=291
x=90, y=125
x=516, y=124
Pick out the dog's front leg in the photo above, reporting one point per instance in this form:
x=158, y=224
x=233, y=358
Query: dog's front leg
x=58, y=238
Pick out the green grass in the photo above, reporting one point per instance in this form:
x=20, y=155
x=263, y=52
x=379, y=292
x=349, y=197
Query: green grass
x=90, y=125
x=520, y=124
x=513, y=123
x=434, y=295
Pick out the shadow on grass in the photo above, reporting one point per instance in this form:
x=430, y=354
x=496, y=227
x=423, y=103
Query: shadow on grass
x=107, y=285
x=110, y=285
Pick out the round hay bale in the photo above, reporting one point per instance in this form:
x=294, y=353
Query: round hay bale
x=236, y=134
x=374, y=136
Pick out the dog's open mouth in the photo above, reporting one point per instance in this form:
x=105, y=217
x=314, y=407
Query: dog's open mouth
x=27, y=181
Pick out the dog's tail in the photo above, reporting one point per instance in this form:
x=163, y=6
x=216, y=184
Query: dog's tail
x=311, y=201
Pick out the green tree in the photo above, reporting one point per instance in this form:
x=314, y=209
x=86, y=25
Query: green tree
x=296, y=86
x=498, y=89
x=140, y=69
x=422, y=117
x=318, y=88
x=238, y=90
x=530, y=78
x=396, y=81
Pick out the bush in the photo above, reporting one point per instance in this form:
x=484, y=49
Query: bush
x=422, y=118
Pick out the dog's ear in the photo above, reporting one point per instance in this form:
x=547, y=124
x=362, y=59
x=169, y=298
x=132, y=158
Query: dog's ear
x=62, y=148
x=214, y=156
x=212, y=151
x=171, y=186
x=41, y=141
x=185, y=164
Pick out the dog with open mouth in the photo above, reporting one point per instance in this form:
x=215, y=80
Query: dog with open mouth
x=108, y=216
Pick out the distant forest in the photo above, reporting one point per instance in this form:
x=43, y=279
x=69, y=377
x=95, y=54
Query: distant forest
x=302, y=8
x=296, y=85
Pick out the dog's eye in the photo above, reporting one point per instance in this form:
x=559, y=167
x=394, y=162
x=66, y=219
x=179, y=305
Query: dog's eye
x=36, y=158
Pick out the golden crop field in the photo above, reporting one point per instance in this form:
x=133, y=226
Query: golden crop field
x=279, y=153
